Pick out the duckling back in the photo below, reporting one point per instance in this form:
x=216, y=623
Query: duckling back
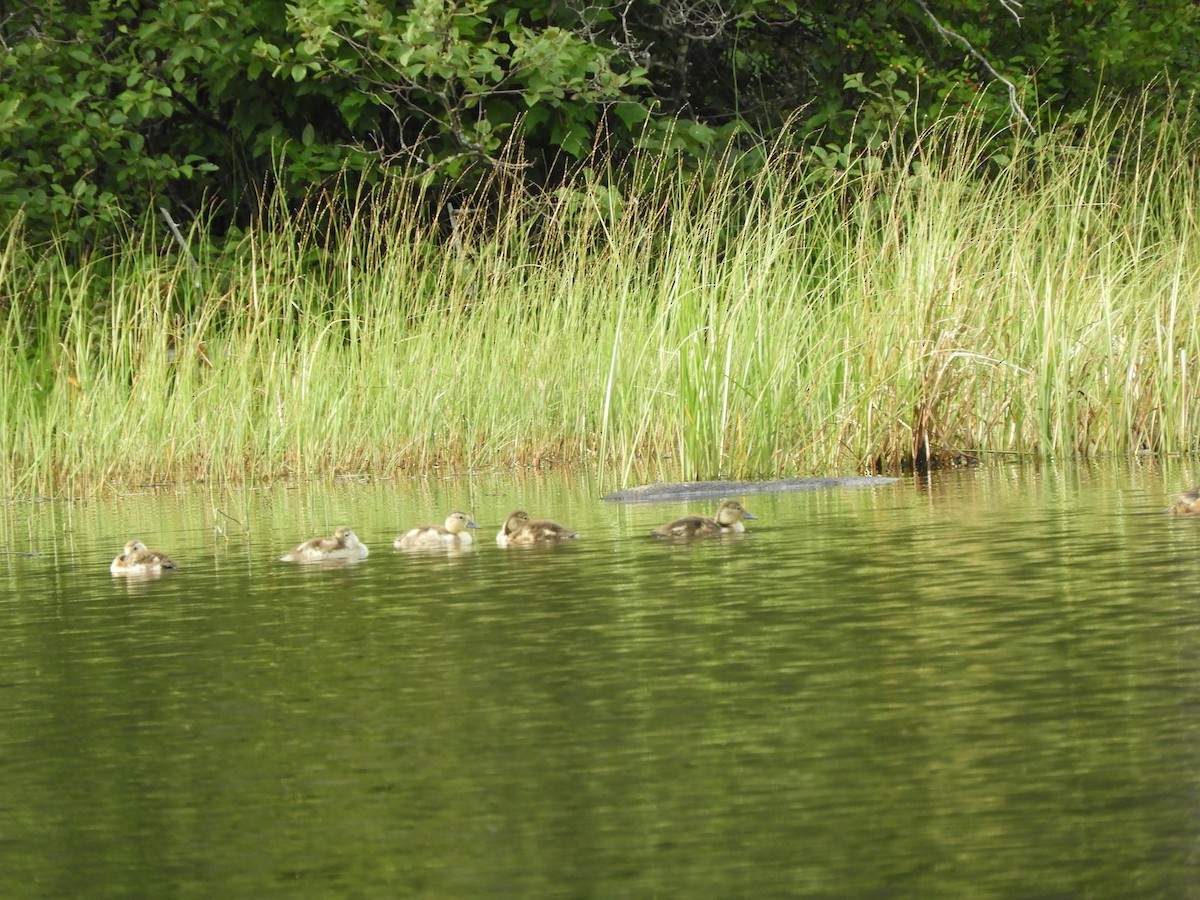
x=454, y=533
x=728, y=520
x=137, y=559
x=519, y=529
x=1187, y=504
x=542, y=531
x=689, y=526
x=344, y=546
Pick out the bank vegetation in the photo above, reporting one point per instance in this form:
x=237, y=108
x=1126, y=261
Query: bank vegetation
x=930, y=301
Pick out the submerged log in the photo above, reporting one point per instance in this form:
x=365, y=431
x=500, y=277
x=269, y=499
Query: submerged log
x=700, y=490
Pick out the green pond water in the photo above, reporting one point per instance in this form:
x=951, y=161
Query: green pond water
x=984, y=684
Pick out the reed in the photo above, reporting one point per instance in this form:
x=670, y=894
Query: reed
x=933, y=301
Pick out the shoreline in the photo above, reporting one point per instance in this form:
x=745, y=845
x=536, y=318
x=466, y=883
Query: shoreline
x=701, y=490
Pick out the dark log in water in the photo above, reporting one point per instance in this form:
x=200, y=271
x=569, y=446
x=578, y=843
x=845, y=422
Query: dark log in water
x=700, y=490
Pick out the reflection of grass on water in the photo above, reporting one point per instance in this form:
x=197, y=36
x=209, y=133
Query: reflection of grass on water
x=754, y=325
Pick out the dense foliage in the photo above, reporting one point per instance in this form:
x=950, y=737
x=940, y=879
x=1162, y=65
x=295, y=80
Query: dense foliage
x=110, y=109
x=745, y=324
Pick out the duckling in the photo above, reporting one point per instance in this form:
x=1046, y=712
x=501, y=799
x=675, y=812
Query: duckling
x=344, y=546
x=728, y=520
x=1187, y=504
x=138, y=560
x=453, y=534
x=520, y=529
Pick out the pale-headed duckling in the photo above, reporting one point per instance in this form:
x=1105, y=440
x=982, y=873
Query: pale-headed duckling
x=344, y=546
x=452, y=534
x=520, y=529
x=138, y=560
x=728, y=520
x=1187, y=504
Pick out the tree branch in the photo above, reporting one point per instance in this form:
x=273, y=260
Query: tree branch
x=953, y=35
x=1012, y=6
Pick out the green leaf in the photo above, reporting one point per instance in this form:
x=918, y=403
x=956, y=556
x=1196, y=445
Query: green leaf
x=631, y=114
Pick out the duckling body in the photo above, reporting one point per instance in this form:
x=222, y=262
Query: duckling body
x=1187, y=504
x=454, y=533
x=519, y=529
x=344, y=546
x=728, y=520
x=138, y=560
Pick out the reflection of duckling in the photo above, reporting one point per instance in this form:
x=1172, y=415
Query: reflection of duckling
x=453, y=534
x=344, y=546
x=728, y=520
x=1188, y=503
x=137, y=560
x=520, y=529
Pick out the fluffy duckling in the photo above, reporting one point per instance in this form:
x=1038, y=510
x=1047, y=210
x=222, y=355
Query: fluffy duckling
x=1187, y=504
x=344, y=546
x=728, y=520
x=138, y=560
x=520, y=529
x=452, y=534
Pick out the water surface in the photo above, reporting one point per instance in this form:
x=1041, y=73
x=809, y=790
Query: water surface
x=984, y=684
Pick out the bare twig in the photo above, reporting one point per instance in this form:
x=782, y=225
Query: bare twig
x=455, y=228
x=983, y=61
x=1012, y=6
x=182, y=243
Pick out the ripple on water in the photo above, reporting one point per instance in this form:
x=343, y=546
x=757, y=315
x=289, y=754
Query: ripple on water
x=983, y=684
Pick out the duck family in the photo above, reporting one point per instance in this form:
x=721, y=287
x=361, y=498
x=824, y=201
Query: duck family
x=519, y=530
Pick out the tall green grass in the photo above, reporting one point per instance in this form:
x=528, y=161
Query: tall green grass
x=931, y=302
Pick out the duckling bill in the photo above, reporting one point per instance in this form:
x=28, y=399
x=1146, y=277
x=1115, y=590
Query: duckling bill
x=728, y=520
x=137, y=559
x=454, y=533
x=344, y=546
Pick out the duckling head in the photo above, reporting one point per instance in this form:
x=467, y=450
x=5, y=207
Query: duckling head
x=516, y=521
x=731, y=511
x=457, y=522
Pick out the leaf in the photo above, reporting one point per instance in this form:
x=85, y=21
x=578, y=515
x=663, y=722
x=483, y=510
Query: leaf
x=631, y=114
